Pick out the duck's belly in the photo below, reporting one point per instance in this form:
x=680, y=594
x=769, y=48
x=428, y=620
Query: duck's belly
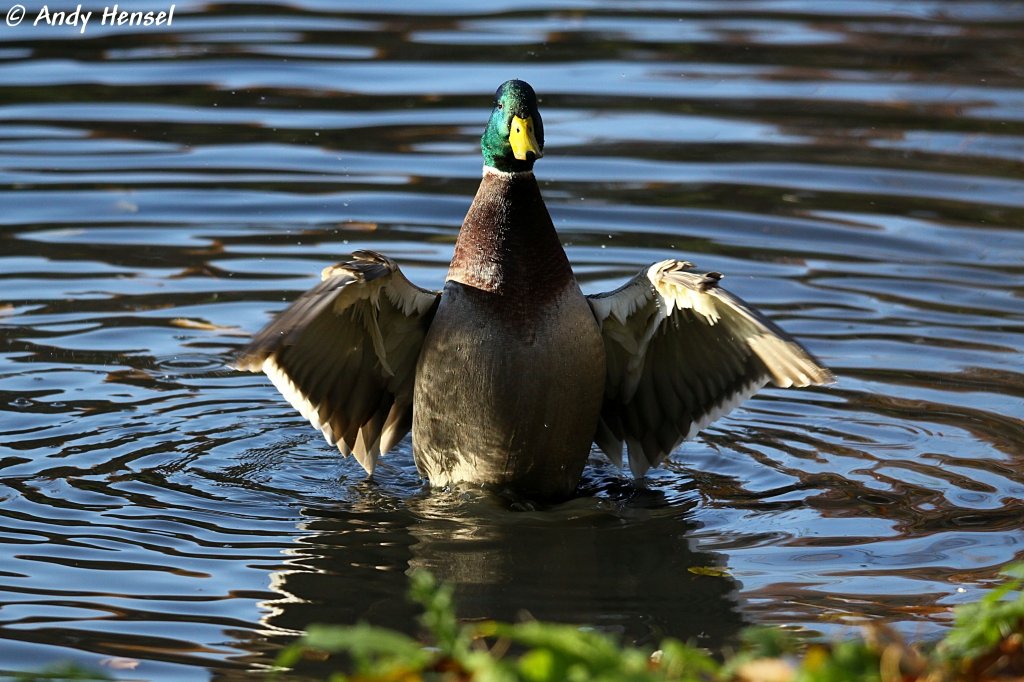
x=507, y=395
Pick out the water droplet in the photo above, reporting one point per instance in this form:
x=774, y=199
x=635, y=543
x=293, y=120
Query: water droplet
x=20, y=401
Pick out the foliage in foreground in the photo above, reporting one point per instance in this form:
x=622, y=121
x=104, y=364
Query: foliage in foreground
x=61, y=672
x=986, y=643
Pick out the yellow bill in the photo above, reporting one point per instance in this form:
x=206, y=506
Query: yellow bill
x=522, y=139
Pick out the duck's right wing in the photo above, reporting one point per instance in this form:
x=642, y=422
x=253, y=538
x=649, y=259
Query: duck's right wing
x=344, y=354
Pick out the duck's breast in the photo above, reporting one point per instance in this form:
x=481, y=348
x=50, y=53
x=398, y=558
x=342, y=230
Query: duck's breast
x=508, y=390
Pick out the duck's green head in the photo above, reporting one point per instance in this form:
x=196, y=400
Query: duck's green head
x=514, y=137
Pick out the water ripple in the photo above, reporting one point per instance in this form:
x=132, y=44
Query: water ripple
x=854, y=168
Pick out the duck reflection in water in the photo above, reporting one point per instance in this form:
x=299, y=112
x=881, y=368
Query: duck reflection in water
x=619, y=561
x=508, y=375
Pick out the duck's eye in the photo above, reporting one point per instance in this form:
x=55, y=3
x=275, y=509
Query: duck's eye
x=500, y=105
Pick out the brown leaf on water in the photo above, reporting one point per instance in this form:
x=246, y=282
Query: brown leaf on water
x=186, y=323
x=359, y=226
x=129, y=376
x=713, y=571
x=924, y=610
x=215, y=248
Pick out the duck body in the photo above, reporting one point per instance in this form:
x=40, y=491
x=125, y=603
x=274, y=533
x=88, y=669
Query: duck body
x=508, y=374
x=510, y=379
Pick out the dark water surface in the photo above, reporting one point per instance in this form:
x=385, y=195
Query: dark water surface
x=855, y=168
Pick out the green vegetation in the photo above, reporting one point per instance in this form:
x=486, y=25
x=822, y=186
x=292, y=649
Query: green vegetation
x=61, y=672
x=986, y=643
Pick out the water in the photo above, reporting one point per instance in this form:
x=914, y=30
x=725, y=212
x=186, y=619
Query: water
x=854, y=168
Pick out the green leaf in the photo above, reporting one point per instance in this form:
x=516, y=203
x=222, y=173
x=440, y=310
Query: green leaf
x=565, y=653
x=1014, y=570
x=483, y=667
x=850, y=661
x=768, y=642
x=979, y=627
x=542, y=665
x=713, y=571
x=439, y=614
x=375, y=650
x=586, y=646
x=363, y=640
x=62, y=671
x=682, y=662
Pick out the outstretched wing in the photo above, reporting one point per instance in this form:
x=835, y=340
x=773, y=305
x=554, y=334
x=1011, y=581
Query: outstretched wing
x=682, y=352
x=344, y=354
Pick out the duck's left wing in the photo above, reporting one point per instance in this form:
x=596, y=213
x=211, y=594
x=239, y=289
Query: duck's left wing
x=344, y=354
x=682, y=352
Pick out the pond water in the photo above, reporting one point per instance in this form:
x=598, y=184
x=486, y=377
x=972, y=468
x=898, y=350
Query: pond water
x=855, y=168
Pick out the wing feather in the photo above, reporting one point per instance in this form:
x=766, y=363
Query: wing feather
x=682, y=352
x=344, y=354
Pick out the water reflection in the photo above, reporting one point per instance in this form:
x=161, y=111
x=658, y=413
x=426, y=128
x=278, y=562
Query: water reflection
x=624, y=564
x=853, y=168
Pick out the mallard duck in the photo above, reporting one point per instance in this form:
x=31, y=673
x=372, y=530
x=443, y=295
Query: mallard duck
x=509, y=373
